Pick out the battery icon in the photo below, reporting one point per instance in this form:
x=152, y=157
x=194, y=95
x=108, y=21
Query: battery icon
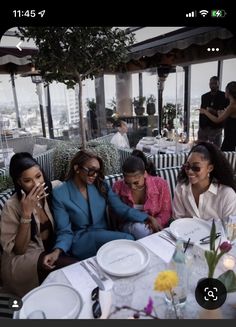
x=218, y=13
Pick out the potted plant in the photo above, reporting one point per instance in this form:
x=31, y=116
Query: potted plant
x=91, y=104
x=138, y=103
x=151, y=107
x=169, y=115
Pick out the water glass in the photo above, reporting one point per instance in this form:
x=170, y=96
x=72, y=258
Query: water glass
x=123, y=292
x=230, y=228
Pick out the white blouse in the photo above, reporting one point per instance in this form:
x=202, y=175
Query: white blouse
x=120, y=140
x=219, y=201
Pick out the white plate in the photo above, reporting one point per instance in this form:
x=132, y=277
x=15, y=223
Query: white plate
x=105, y=298
x=57, y=301
x=146, y=142
x=122, y=258
x=148, y=138
x=192, y=228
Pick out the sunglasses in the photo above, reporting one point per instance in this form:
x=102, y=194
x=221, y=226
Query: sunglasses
x=193, y=168
x=91, y=172
x=96, y=307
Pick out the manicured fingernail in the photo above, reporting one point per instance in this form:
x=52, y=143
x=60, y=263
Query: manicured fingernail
x=45, y=188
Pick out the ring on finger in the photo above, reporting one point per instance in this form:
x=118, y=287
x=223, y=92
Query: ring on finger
x=38, y=197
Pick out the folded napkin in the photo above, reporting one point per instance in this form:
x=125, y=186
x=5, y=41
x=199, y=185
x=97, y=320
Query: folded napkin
x=160, y=247
x=81, y=281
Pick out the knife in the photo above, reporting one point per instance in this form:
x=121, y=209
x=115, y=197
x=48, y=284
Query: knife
x=94, y=276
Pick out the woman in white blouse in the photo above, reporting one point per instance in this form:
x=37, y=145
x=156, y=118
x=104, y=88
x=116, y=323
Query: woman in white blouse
x=206, y=186
x=120, y=138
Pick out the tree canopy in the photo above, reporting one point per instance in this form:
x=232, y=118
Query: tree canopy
x=66, y=52
x=71, y=54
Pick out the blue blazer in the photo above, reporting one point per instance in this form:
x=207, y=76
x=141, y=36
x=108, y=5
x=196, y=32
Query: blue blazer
x=75, y=216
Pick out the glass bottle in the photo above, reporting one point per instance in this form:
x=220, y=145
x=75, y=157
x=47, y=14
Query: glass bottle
x=178, y=264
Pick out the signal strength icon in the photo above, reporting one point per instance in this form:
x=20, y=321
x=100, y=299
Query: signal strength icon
x=191, y=14
x=203, y=13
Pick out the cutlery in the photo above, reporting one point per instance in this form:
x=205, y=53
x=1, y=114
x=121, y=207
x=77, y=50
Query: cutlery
x=166, y=238
x=206, y=239
x=94, y=277
x=97, y=270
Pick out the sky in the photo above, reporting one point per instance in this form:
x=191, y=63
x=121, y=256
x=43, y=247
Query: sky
x=200, y=76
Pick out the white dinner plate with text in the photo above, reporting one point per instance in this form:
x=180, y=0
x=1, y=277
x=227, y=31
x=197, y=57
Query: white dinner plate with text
x=192, y=228
x=122, y=258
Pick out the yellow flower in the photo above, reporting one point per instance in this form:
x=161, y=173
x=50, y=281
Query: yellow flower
x=166, y=280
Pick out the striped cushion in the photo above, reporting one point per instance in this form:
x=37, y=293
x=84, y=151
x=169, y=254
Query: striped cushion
x=4, y=196
x=231, y=157
x=45, y=161
x=111, y=179
x=5, y=311
x=3, y=171
x=170, y=175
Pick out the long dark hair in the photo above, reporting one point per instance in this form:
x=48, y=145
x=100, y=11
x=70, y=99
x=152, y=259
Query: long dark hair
x=19, y=163
x=149, y=165
x=81, y=158
x=222, y=171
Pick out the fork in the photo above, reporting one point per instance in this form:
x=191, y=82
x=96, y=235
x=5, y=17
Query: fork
x=166, y=238
x=97, y=269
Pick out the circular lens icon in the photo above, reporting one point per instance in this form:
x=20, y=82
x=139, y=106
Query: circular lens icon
x=210, y=293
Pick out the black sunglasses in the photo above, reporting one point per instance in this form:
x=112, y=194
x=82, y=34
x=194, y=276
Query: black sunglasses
x=96, y=307
x=91, y=172
x=193, y=168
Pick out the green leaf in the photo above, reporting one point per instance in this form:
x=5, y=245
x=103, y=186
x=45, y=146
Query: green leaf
x=228, y=278
x=213, y=236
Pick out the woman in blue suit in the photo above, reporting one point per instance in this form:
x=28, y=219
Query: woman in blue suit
x=79, y=206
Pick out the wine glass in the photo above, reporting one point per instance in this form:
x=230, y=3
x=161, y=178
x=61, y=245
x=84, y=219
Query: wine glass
x=230, y=228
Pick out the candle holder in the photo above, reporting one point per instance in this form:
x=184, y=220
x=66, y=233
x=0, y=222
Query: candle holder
x=228, y=262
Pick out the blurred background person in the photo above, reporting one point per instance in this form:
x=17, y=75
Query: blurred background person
x=120, y=139
x=214, y=102
x=228, y=117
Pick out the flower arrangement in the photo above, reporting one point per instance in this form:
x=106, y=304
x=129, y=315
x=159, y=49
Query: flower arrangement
x=166, y=281
x=213, y=256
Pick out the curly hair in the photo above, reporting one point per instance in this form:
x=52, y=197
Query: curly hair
x=222, y=171
x=81, y=158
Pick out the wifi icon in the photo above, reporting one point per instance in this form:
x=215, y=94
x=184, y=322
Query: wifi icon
x=203, y=12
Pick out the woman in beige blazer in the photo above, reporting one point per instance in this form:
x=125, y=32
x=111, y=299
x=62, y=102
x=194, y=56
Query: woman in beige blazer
x=27, y=228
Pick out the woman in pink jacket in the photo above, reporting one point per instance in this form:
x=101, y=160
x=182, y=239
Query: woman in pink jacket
x=147, y=193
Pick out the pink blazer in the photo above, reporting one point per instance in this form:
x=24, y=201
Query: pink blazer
x=158, y=199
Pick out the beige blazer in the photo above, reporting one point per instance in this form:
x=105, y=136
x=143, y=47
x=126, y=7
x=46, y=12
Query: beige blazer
x=19, y=272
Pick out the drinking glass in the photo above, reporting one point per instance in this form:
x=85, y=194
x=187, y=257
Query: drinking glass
x=123, y=290
x=230, y=228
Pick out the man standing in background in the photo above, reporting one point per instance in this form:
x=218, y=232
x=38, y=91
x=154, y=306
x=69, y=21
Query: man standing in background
x=214, y=101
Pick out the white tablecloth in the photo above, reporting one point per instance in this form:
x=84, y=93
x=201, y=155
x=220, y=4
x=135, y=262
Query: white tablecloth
x=160, y=253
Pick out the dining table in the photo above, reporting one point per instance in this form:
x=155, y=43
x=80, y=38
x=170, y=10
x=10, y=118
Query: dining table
x=160, y=248
x=153, y=145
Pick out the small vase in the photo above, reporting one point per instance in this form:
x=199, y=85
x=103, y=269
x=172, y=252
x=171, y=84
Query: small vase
x=210, y=314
